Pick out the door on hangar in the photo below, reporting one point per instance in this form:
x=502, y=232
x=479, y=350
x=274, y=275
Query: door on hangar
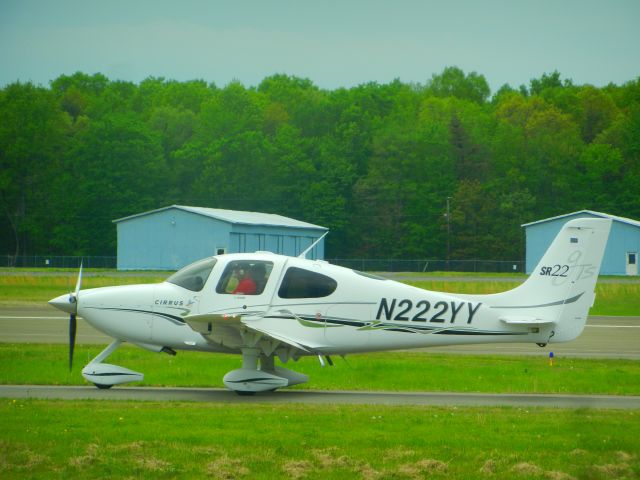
x=632, y=263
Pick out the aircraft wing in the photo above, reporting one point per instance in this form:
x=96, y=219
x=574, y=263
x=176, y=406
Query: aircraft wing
x=205, y=323
x=225, y=329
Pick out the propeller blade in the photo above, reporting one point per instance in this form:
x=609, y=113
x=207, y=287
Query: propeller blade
x=72, y=338
x=79, y=281
x=72, y=318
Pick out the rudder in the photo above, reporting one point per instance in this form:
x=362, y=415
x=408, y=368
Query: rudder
x=561, y=288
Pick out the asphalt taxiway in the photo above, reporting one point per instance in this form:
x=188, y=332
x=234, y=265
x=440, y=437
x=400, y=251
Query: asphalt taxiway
x=215, y=395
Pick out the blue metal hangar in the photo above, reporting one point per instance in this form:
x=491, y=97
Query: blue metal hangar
x=620, y=256
x=171, y=237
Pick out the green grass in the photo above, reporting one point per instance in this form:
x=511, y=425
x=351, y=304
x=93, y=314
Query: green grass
x=105, y=439
x=395, y=371
x=38, y=289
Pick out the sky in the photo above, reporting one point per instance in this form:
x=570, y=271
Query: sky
x=334, y=43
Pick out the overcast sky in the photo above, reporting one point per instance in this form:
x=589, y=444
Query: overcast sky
x=335, y=43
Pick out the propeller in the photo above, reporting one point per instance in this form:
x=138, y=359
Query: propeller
x=73, y=299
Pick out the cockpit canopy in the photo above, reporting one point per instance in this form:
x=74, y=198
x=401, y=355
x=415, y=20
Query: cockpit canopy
x=194, y=276
x=250, y=277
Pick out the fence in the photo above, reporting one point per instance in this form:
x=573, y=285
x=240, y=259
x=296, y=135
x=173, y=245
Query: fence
x=53, y=261
x=363, y=264
x=395, y=265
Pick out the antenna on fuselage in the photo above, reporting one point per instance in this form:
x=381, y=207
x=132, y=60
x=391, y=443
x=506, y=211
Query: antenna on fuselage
x=304, y=254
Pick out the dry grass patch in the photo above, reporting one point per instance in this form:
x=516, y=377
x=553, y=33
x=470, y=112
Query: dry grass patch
x=613, y=470
x=296, y=469
x=526, y=468
x=423, y=467
x=489, y=467
x=227, y=468
x=555, y=475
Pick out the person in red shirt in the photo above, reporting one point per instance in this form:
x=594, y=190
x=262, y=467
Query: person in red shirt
x=246, y=286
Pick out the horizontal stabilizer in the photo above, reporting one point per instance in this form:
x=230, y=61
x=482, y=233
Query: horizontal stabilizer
x=525, y=320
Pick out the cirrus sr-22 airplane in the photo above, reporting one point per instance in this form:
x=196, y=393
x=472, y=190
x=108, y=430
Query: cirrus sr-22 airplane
x=263, y=305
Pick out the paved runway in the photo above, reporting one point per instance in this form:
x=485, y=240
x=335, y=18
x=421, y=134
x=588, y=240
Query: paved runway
x=322, y=397
x=604, y=337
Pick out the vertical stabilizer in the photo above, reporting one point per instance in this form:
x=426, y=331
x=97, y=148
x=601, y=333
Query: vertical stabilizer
x=561, y=289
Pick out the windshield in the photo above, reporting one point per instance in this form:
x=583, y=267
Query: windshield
x=194, y=276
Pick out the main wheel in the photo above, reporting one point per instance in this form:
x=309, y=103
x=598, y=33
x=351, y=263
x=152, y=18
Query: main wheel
x=102, y=386
x=244, y=393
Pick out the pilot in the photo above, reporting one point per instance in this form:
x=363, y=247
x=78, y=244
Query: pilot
x=247, y=285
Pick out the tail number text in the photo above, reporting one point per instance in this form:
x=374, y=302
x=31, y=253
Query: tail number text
x=424, y=311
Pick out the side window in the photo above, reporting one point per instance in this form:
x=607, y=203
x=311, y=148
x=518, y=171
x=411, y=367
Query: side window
x=244, y=277
x=301, y=283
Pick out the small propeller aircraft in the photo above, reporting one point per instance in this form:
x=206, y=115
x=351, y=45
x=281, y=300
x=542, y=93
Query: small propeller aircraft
x=264, y=305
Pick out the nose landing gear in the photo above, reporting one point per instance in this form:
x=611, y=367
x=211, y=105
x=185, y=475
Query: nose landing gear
x=105, y=375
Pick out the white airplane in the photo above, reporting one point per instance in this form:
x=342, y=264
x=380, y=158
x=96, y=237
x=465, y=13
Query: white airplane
x=290, y=307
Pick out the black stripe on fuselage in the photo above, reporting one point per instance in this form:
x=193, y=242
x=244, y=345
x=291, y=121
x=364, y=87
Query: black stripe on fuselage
x=172, y=318
x=552, y=304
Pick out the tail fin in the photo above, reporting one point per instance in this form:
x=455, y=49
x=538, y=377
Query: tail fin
x=560, y=290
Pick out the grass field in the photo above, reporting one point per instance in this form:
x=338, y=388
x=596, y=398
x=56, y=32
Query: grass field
x=87, y=439
x=396, y=371
x=109, y=439
x=36, y=288
x=39, y=287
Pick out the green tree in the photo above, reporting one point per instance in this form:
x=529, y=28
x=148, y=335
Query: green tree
x=597, y=112
x=114, y=169
x=32, y=142
x=453, y=82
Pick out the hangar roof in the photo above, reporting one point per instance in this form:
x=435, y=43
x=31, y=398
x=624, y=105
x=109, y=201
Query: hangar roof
x=629, y=221
x=234, y=216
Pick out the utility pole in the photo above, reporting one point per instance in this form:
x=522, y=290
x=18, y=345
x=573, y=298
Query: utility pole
x=448, y=231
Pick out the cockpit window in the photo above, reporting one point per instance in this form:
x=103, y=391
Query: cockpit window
x=245, y=277
x=194, y=276
x=301, y=283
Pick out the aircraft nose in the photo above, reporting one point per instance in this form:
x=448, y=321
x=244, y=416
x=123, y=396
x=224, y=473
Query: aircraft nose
x=62, y=303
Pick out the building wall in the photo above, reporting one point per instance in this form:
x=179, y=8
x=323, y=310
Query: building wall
x=173, y=238
x=168, y=240
x=622, y=239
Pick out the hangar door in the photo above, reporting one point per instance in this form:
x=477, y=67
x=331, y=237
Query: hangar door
x=246, y=242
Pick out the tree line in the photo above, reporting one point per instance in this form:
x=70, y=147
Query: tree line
x=376, y=163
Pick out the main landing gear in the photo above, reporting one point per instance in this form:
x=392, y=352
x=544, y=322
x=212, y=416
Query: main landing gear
x=250, y=379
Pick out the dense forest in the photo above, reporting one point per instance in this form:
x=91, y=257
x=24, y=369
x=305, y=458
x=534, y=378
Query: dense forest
x=376, y=163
